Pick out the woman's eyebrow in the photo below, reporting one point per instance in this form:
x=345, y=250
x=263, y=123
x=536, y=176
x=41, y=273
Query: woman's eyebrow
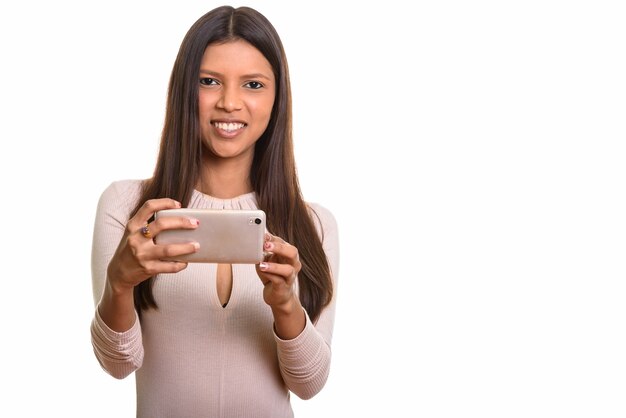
x=251, y=75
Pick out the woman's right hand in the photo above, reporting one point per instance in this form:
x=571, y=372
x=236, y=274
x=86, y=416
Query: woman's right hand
x=137, y=256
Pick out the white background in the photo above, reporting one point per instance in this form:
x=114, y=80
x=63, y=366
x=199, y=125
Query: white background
x=472, y=152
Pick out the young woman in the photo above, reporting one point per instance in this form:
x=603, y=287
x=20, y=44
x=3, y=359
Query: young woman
x=218, y=339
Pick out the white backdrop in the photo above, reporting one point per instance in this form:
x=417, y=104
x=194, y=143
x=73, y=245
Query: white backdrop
x=472, y=152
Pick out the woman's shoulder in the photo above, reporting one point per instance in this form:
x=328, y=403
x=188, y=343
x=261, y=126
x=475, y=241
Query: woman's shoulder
x=123, y=188
x=121, y=194
x=323, y=217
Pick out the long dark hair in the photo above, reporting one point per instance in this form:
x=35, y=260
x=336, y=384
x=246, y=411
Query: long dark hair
x=273, y=172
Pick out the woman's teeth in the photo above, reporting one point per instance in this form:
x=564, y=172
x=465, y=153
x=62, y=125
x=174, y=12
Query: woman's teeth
x=228, y=127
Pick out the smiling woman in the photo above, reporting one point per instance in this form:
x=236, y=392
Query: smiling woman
x=236, y=96
x=228, y=340
x=473, y=154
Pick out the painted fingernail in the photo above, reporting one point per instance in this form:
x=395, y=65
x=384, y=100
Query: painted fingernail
x=263, y=265
x=268, y=246
x=194, y=222
x=196, y=245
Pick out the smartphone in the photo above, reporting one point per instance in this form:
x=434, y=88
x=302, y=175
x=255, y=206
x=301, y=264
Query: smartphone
x=233, y=236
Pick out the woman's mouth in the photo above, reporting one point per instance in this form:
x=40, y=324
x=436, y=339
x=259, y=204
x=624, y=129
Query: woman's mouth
x=229, y=126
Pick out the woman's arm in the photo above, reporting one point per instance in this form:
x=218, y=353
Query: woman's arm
x=122, y=257
x=305, y=359
x=119, y=348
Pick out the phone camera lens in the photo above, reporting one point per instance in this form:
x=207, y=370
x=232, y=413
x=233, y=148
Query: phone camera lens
x=257, y=221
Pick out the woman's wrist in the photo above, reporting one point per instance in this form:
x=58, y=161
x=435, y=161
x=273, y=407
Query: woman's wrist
x=117, y=306
x=287, y=308
x=289, y=319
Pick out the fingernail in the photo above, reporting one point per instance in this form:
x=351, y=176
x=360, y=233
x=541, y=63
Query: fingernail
x=269, y=246
x=194, y=222
x=263, y=265
x=196, y=245
x=268, y=237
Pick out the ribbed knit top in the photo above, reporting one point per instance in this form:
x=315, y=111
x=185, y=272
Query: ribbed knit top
x=194, y=358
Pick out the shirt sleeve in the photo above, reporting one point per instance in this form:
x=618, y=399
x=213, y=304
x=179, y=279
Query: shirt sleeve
x=305, y=360
x=119, y=353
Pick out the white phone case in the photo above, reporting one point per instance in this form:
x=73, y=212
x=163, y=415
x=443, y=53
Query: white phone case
x=225, y=235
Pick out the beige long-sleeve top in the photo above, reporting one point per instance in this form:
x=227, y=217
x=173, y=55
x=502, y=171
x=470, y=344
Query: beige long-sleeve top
x=194, y=358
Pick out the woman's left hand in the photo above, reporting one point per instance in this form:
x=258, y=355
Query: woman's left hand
x=279, y=272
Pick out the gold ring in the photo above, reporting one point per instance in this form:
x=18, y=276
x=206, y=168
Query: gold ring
x=146, y=231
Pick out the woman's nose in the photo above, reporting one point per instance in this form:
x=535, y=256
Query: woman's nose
x=230, y=100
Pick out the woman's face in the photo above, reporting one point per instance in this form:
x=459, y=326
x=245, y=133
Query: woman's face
x=236, y=95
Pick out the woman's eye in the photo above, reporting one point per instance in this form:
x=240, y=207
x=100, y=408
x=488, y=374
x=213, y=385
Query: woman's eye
x=254, y=85
x=207, y=81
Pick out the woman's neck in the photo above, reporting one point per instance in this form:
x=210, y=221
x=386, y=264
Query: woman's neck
x=224, y=179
